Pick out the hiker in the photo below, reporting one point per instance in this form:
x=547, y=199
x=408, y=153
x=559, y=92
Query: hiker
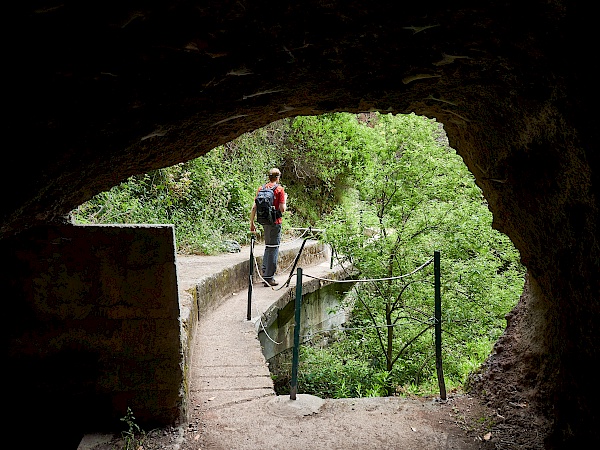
x=272, y=231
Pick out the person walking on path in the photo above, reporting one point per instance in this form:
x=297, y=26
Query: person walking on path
x=272, y=232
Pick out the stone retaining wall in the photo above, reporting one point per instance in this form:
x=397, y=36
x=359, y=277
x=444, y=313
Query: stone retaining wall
x=92, y=326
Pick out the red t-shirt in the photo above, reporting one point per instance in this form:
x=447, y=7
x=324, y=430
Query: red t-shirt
x=279, y=197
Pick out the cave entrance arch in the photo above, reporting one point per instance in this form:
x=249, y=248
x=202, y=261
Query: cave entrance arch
x=109, y=91
x=276, y=131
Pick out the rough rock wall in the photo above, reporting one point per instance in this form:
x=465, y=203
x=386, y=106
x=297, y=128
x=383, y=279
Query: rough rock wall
x=108, y=89
x=517, y=378
x=540, y=182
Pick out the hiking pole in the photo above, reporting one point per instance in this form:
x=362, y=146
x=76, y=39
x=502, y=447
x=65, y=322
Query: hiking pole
x=251, y=275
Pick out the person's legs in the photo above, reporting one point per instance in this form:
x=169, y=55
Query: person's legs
x=272, y=240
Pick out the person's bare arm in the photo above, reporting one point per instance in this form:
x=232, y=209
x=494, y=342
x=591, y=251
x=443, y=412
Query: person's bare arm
x=283, y=205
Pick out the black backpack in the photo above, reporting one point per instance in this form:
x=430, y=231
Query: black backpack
x=265, y=211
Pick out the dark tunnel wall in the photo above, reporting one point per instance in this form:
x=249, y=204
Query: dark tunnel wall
x=93, y=328
x=108, y=89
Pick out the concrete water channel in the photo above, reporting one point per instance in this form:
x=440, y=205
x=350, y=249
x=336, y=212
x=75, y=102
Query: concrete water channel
x=322, y=313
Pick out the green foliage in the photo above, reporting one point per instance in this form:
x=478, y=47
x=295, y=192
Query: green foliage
x=415, y=196
x=336, y=372
x=389, y=191
x=133, y=436
x=207, y=201
x=323, y=154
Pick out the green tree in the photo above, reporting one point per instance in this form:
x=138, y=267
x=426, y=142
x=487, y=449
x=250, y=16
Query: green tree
x=416, y=197
x=320, y=159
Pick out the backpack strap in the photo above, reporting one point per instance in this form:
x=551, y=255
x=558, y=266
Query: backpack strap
x=272, y=187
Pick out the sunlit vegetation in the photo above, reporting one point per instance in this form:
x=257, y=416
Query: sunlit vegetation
x=388, y=191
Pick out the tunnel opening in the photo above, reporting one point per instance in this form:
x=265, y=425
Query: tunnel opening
x=502, y=219
x=179, y=181
x=109, y=92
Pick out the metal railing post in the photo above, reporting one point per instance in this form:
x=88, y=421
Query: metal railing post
x=438, y=324
x=250, y=277
x=295, y=354
x=331, y=259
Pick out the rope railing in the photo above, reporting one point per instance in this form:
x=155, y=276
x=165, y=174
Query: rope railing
x=435, y=321
x=294, y=263
x=367, y=280
x=262, y=325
